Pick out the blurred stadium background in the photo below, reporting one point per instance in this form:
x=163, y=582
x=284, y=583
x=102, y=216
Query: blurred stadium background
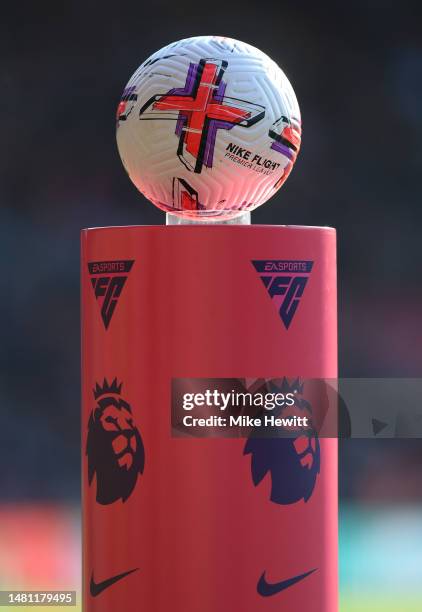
x=357, y=71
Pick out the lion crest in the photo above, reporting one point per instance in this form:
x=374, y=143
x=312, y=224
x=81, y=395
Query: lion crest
x=114, y=447
x=293, y=462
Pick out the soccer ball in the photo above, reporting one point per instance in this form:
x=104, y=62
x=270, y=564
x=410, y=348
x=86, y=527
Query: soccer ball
x=208, y=127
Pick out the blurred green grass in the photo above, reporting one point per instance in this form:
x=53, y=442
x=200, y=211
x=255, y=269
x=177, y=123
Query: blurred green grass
x=357, y=603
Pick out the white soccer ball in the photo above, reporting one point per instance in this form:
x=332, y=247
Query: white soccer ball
x=208, y=127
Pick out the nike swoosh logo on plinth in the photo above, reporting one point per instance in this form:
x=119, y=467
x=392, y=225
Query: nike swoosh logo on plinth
x=266, y=589
x=96, y=588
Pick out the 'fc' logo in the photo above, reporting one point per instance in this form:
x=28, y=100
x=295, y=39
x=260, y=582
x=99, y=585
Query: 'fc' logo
x=285, y=282
x=108, y=288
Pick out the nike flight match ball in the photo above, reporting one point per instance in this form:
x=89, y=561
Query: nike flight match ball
x=208, y=127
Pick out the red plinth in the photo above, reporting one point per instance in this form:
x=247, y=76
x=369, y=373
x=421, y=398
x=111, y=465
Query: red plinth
x=187, y=524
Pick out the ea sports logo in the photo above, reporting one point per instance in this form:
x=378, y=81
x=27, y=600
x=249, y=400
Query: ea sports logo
x=114, y=447
x=285, y=281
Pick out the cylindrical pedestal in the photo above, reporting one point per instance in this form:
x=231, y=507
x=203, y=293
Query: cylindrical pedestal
x=193, y=524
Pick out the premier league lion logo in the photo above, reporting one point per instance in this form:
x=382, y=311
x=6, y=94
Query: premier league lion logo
x=293, y=462
x=114, y=446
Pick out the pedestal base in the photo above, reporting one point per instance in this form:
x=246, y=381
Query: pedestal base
x=193, y=524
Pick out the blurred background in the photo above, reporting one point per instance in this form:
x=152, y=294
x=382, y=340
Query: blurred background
x=357, y=71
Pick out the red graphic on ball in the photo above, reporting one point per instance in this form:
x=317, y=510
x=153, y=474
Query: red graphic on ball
x=200, y=109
